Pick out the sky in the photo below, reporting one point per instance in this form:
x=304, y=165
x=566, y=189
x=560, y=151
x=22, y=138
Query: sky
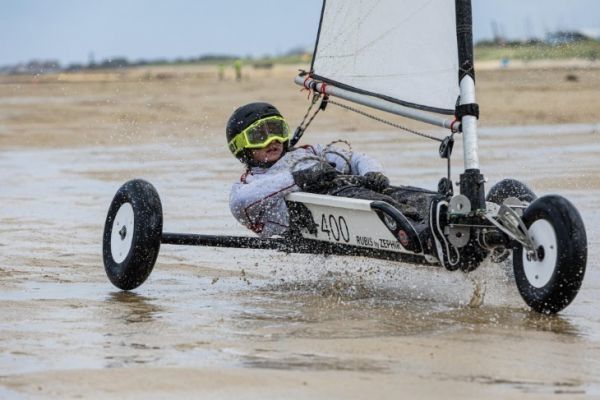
x=73, y=31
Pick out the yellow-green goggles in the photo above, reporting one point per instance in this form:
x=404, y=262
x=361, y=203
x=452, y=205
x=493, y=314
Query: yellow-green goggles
x=260, y=134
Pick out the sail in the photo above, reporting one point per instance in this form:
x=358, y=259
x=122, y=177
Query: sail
x=404, y=51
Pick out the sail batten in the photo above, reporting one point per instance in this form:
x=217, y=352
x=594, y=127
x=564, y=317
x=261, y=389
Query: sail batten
x=402, y=51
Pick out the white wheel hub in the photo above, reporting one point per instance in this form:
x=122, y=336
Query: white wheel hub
x=121, y=234
x=539, y=269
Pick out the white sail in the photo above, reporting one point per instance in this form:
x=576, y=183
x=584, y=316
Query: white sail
x=402, y=50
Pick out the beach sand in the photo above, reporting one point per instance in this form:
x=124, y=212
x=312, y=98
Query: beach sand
x=229, y=323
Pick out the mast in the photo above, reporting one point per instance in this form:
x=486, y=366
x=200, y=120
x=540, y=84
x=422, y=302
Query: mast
x=471, y=181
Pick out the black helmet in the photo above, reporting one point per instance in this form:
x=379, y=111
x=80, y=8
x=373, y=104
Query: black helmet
x=242, y=118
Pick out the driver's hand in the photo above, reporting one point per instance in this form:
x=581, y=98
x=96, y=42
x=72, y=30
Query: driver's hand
x=315, y=178
x=376, y=181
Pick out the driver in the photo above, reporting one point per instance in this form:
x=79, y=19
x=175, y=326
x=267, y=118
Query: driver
x=259, y=137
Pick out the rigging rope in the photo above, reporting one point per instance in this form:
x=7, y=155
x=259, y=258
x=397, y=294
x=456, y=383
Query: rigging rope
x=303, y=126
x=384, y=121
x=446, y=144
x=329, y=149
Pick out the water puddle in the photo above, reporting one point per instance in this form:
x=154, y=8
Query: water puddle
x=206, y=307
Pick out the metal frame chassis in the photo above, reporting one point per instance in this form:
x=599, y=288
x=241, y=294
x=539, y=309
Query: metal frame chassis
x=295, y=244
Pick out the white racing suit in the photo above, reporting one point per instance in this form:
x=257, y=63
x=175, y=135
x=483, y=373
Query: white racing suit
x=257, y=201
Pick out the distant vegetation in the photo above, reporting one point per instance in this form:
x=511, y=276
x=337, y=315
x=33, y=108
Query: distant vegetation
x=557, y=45
x=536, y=50
x=41, y=67
x=294, y=56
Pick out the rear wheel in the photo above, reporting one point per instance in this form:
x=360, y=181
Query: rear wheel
x=501, y=191
x=510, y=188
x=549, y=276
x=132, y=234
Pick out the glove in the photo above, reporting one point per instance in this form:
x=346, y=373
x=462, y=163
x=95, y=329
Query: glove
x=315, y=178
x=376, y=181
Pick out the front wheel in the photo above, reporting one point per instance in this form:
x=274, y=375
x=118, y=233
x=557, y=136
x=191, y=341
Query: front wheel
x=132, y=234
x=549, y=276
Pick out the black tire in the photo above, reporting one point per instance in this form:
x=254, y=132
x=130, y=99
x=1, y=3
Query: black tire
x=551, y=282
x=510, y=188
x=132, y=234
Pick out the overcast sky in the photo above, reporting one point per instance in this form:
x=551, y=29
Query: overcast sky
x=70, y=30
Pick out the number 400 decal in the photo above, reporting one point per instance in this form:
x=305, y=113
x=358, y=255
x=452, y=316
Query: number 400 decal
x=335, y=227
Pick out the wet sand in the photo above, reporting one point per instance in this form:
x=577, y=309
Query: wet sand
x=228, y=323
